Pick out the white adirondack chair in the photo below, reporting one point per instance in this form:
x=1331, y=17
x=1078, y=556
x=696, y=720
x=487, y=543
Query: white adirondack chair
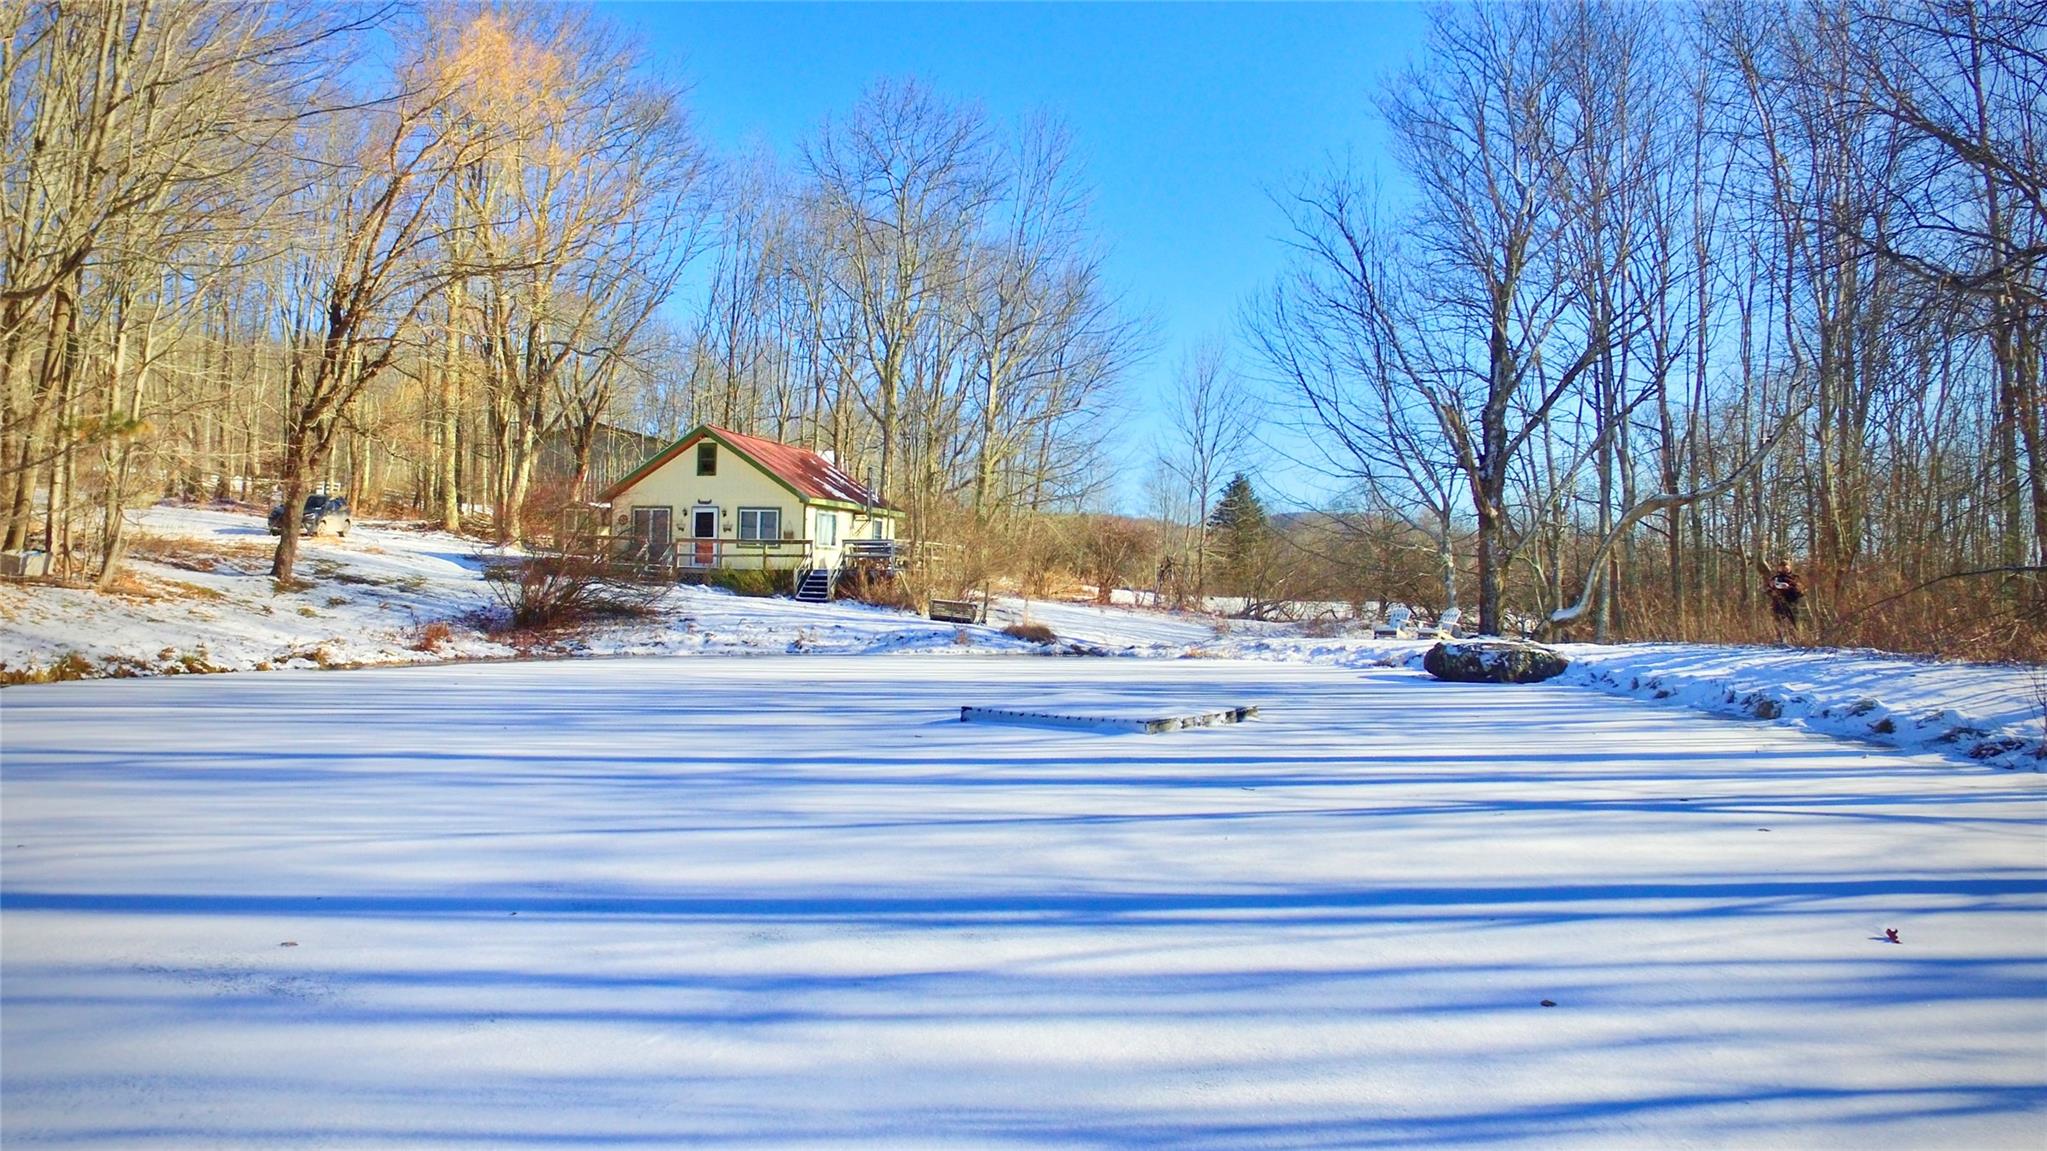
x=1395, y=626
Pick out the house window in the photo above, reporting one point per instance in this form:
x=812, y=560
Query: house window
x=827, y=528
x=707, y=458
x=653, y=531
x=760, y=523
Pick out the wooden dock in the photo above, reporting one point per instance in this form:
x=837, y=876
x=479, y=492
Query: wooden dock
x=1145, y=725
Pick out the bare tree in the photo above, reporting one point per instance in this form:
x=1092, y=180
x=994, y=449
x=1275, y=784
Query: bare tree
x=370, y=278
x=1341, y=335
x=1210, y=419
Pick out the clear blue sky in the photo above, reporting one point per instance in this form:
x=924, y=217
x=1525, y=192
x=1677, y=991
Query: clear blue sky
x=1184, y=116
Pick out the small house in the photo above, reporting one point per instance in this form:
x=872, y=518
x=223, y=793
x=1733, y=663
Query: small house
x=719, y=499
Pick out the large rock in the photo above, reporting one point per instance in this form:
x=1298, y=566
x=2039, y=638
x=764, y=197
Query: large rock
x=1493, y=661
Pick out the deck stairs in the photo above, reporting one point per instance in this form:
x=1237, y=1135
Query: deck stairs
x=814, y=585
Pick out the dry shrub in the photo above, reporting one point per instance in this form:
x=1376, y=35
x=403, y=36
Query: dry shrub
x=550, y=592
x=170, y=661
x=319, y=654
x=1322, y=627
x=961, y=638
x=71, y=665
x=553, y=518
x=873, y=586
x=1030, y=632
x=431, y=637
x=756, y=583
x=199, y=663
x=1992, y=617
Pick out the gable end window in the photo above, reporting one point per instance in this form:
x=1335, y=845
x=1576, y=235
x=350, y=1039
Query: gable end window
x=707, y=458
x=760, y=523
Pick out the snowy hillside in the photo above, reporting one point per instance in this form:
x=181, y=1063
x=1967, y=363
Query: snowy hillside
x=201, y=601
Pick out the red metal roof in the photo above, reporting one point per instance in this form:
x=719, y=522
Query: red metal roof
x=813, y=476
x=805, y=470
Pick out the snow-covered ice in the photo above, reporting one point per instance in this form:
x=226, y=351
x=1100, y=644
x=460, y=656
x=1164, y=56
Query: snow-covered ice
x=792, y=901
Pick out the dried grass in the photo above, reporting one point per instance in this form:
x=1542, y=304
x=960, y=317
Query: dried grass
x=200, y=555
x=863, y=585
x=431, y=637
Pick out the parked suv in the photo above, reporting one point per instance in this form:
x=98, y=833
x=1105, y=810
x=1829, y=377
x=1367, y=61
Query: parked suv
x=322, y=513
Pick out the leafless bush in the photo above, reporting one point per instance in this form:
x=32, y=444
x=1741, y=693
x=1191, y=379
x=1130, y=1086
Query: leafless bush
x=1114, y=551
x=1322, y=626
x=433, y=636
x=567, y=590
x=1031, y=632
x=874, y=586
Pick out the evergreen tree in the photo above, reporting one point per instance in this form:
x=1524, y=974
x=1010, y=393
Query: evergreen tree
x=1241, y=536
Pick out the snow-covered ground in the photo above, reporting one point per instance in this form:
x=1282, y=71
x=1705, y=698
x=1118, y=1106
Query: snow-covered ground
x=370, y=598
x=208, y=604
x=791, y=901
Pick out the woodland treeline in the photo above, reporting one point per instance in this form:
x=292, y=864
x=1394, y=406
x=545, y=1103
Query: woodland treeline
x=1646, y=295
x=407, y=254
x=1651, y=294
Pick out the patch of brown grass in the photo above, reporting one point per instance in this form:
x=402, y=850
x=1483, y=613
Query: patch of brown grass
x=198, y=555
x=69, y=666
x=128, y=585
x=319, y=655
x=1031, y=632
x=431, y=637
x=181, y=589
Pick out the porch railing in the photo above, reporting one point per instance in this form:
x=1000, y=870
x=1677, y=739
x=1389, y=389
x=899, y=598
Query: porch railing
x=688, y=555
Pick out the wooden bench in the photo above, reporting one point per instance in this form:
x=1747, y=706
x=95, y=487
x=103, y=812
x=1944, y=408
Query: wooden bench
x=958, y=611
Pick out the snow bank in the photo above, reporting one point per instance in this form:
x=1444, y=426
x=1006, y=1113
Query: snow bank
x=1990, y=713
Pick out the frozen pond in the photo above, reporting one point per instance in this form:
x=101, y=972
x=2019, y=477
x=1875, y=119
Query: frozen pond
x=794, y=901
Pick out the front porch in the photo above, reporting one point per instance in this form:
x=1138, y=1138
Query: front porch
x=814, y=568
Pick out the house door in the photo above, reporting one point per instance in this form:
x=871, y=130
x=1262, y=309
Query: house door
x=704, y=526
x=653, y=531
